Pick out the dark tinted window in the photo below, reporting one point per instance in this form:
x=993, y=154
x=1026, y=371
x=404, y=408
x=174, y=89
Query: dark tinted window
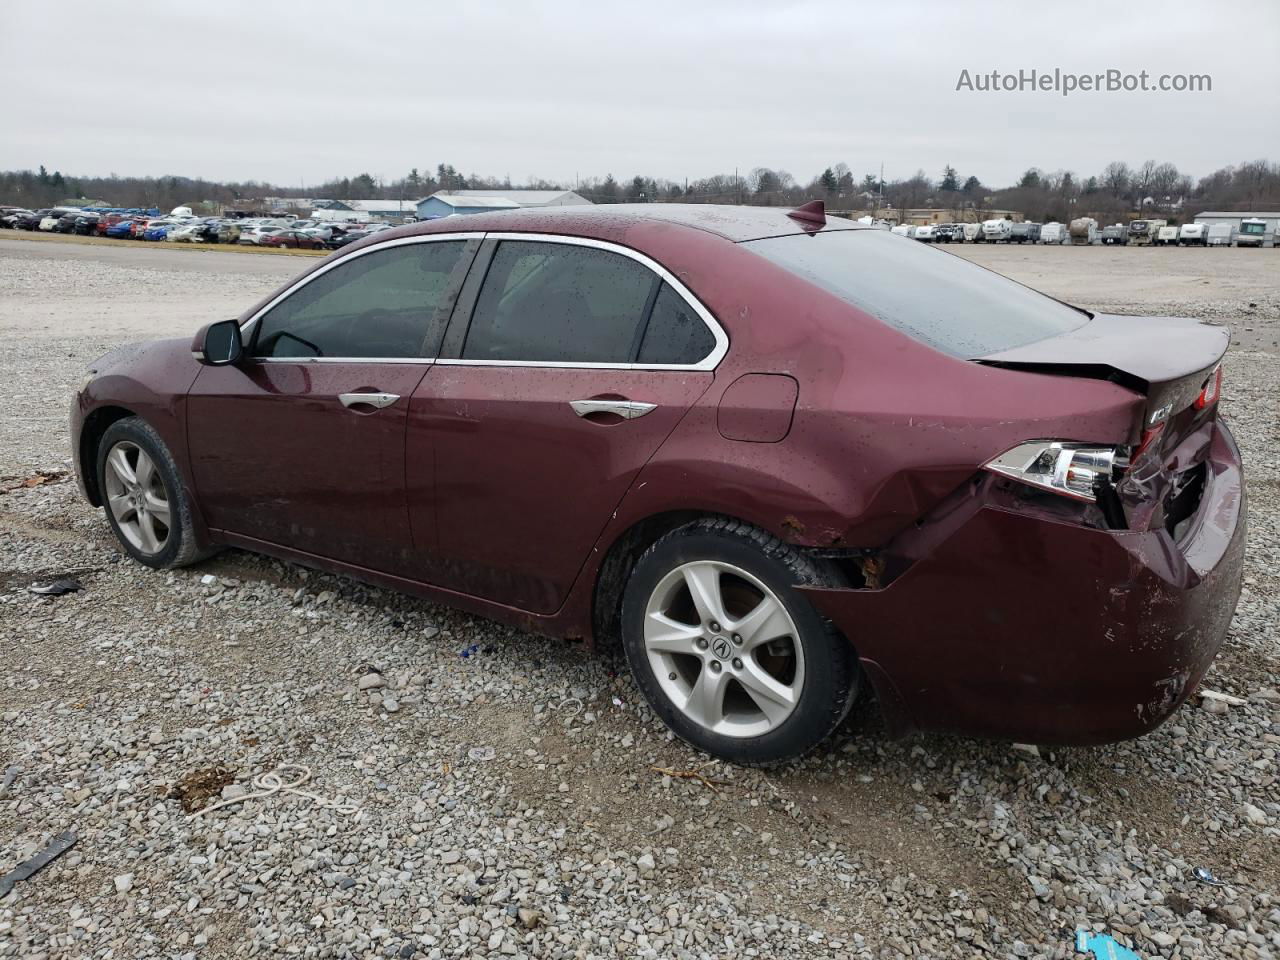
x=675, y=333
x=559, y=302
x=388, y=303
x=933, y=296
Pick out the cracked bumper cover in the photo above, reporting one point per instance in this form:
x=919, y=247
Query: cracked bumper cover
x=1048, y=632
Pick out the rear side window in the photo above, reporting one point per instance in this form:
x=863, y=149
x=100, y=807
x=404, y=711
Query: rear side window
x=389, y=303
x=936, y=297
x=557, y=302
x=675, y=333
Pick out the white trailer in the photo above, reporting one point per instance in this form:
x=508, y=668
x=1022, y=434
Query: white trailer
x=1193, y=234
x=996, y=231
x=1220, y=235
x=1053, y=232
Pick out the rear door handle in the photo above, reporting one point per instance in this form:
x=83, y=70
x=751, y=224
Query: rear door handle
x=378, y=400
x=627, y=409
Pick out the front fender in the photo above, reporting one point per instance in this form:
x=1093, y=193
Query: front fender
x=148, y=380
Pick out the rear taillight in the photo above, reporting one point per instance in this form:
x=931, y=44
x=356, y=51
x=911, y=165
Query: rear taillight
x=1071, y=469
x=1212, y=390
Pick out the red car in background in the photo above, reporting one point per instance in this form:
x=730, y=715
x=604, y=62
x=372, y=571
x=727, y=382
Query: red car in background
x=295, y=239
x=780, y=457
x=108, y=220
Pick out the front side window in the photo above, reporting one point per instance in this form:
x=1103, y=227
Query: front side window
x=389, y=303
x=556, y=302
x=935, y=297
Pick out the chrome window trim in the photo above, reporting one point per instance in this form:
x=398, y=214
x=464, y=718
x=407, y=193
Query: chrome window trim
x=709, y=362
x=246, y=328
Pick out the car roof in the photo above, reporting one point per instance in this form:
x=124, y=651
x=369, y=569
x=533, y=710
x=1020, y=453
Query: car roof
x=602, y=221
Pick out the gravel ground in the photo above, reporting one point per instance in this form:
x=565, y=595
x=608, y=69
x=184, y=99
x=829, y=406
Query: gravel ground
x=496, y=793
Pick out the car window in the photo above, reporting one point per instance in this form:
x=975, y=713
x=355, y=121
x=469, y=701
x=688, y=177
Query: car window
x=933, y=296
x=385, y=303
x=675, y=334
x=557, y=302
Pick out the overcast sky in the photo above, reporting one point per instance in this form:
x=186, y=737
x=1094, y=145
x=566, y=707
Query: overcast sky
x=299, y=92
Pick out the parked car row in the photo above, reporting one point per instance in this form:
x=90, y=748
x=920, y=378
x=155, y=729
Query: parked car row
x=182, y=227
x=1084, y=231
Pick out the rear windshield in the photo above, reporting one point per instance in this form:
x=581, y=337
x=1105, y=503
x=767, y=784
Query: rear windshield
x=936, y=297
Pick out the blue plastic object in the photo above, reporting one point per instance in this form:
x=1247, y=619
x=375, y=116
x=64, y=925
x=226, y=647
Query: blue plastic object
x=1102, y=947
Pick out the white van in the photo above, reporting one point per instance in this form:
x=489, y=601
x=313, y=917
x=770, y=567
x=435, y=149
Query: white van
x=996, y=231
x=924, y=233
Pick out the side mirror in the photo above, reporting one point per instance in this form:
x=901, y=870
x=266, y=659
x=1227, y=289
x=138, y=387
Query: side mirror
x=218, y=344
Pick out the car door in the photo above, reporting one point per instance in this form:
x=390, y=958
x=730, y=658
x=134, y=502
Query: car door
x=302, y=444
x=566, y=366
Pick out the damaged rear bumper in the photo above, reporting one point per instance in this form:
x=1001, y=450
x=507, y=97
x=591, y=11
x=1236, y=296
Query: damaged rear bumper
x=1020, y=627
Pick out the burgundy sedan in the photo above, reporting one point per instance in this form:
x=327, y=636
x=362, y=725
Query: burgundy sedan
x=786, y=460
x=291, y=238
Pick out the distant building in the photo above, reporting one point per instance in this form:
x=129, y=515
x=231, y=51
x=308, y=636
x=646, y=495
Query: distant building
x=366, y=210
x=448, y=205
x=478, y=201
x=526, y=198
x=1234, y=217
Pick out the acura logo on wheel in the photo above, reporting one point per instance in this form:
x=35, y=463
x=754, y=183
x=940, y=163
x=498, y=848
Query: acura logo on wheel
x=721, y=648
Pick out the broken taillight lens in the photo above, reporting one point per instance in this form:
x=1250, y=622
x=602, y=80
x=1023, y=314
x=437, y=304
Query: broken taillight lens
x=1071, y=469
x=1212, y=390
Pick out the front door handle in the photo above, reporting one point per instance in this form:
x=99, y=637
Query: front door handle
x=627, y=409
x=378, y=400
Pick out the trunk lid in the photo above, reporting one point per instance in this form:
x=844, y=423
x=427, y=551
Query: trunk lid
x=1167, y=359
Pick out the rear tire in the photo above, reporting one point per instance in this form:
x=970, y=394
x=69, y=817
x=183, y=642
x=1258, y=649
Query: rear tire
x=143, y=496
x=727, y=652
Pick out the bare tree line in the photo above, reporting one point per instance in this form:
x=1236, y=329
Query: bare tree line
x=1120, y=189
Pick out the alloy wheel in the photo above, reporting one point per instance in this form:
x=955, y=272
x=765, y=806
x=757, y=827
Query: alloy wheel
x=724, y=649
x=136, y=497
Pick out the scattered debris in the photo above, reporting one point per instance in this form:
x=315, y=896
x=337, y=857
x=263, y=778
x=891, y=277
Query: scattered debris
x=271, y=782
x=1030, y=749
x=482, y=753
x=1102, y=946
x=38, y=479
x=371, y=681
x=56, y=588
x=529, y=919
x=697, y=774
x=124, y=882
x=10, y=775
x=1226, y=698
x=570, y=702
x=1205, y=875
x=469, y=651
x=200, y=785
x=23, y=871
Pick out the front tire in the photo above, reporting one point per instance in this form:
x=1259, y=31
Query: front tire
x=731, y=657
x=142, y=492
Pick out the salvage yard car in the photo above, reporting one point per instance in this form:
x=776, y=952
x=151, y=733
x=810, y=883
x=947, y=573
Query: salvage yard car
x=745, y=443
